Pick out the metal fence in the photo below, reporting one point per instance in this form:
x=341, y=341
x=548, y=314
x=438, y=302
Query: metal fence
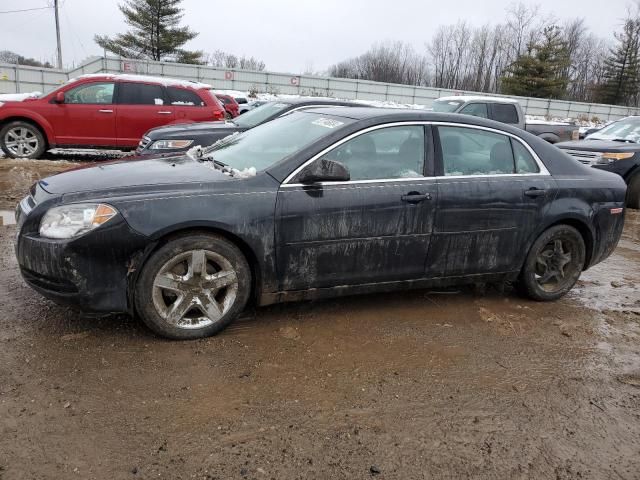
x=20, y=79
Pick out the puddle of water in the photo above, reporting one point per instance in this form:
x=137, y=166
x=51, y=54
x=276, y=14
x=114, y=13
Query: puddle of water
x=8, y=217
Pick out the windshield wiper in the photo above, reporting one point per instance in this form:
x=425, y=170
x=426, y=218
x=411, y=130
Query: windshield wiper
x=625, y=140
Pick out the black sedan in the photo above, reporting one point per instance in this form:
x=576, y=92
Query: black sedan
x=181, y=137
x=320, y=203
x=615, y=148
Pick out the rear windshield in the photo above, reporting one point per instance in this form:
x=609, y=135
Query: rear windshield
x=446, y=106
x=260, y=114
x=268, y=144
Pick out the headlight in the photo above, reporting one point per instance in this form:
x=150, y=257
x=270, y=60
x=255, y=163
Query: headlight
x=170, y=144
x=612, y=157
x=76, y=219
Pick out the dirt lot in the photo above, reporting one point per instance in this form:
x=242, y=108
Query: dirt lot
x=418, y=385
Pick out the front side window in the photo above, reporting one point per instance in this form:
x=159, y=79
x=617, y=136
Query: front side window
x=468, y=151
x=184, y=97
x=140, y=94
x=91, y=93
x=476, y=109
x=387, y=153
x=505, y=113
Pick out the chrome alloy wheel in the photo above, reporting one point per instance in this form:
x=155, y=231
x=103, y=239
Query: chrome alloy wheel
x=21, y=142
x=195, y=289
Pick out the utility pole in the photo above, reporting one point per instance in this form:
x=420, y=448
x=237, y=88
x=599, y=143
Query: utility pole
x=55, y=7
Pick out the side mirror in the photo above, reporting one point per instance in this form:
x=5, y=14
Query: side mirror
x=60, y=97
x=324, y=171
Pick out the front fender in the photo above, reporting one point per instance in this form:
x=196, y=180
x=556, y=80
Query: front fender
x=17, y=113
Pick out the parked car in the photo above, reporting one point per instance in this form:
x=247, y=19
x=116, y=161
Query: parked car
x=102, y=111
x=507, y=111
x=230, y=105
x=320, y=203
x=179, y=138
x=243, y=104
x=615, y=148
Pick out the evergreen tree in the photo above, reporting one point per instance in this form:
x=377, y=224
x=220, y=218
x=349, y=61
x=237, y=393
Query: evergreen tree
x=622, y=68
x=156, y=33
x=541, y=72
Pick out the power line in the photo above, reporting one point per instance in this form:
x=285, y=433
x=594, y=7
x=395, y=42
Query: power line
x=25, y=10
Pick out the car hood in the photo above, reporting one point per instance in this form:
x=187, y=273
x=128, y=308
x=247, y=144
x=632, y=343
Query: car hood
x=599, y=146
x=174, y=131
x=132, y=175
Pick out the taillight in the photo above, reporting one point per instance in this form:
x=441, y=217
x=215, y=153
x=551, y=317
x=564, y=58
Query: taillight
x=575, y=135
x=218, y=115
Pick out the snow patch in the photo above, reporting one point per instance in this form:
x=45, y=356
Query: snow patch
x=18, y=97
x=166, y=81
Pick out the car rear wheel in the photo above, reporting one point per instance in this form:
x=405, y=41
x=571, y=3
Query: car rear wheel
x=633, y=192
x=193, y=287
x=22, y=140
x=553, y=264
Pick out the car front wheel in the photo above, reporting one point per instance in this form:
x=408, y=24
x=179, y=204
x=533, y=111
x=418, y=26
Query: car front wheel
x=633, y=192
x=553, y=264
x=22, y=140
x=193, y=287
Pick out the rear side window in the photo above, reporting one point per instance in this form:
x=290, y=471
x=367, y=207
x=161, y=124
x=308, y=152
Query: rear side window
x=505, y=113
x=476, y=109
x=469, y=151
x=525, y=162
x=140, y=94
x=185, y=97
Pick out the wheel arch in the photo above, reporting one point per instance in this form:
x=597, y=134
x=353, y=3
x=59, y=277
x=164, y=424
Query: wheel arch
x=140, y=260
x=35, y=120
x=588, y=236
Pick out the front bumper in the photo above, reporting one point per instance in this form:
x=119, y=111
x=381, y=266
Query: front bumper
x=91, y=272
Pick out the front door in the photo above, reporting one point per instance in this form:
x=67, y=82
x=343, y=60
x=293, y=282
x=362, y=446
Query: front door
x=87, y=117
x=491, y=195
x=374, y=228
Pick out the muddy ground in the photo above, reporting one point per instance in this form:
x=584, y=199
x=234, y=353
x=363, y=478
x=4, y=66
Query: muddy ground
x=416, y=385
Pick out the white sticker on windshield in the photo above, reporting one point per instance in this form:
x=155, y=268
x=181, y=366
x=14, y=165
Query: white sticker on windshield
x=327, y=123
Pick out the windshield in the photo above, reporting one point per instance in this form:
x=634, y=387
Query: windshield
x=272, y=142
x=259, y=114
x=623, y=130
x=446, y=106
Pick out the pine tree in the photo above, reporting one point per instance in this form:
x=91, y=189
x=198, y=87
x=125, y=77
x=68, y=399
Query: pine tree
x=541, y=72
x=156, y=33
x=622, y=68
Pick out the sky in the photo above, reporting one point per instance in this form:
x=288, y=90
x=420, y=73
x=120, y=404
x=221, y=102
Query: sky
x=288, y=35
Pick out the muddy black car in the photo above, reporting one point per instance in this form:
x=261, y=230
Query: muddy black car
x=615, y=148
x=320, y=203
x=182, y=137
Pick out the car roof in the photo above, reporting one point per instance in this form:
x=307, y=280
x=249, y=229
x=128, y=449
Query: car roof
x=302, y=101
x=385, y=115
x=476, y=98
x=126, y=77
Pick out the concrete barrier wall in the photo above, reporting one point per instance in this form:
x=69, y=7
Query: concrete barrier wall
x=20, y=79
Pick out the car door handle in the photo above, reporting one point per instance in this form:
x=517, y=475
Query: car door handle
x=165, y=112
x=105, y=111
x=415, y=197
x=535, y=192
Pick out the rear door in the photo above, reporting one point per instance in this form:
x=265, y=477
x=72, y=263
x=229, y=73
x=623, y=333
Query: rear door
x=374, y=228
x=141, y=106
x=492, y=193
x=87, y=117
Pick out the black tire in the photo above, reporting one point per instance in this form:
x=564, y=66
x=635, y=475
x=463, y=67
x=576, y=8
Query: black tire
x=633, y=192
x=34, y=140
x=155, y=303
x=544, y=259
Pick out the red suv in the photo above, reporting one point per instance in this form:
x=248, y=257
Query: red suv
x=102, y=111
x=230, y=105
